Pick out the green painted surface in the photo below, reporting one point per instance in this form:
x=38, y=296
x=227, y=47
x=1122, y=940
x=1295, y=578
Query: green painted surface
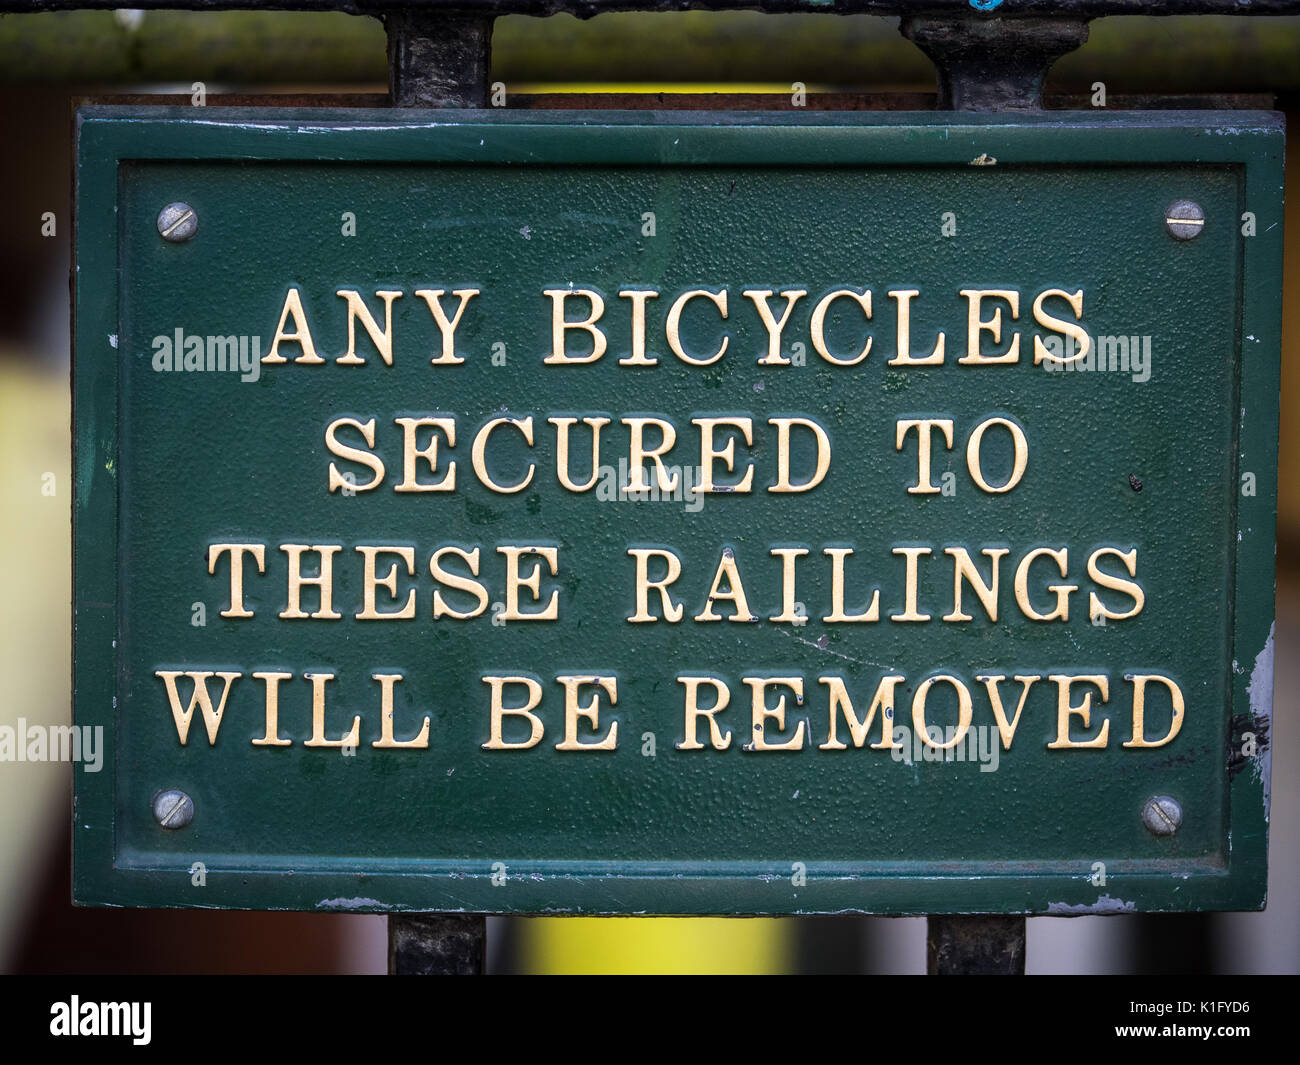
x=169, y=463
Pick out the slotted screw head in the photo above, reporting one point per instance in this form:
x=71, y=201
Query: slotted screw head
x=1184, y=219
x=1162, y=815
x=177, y=222
x=173, y=808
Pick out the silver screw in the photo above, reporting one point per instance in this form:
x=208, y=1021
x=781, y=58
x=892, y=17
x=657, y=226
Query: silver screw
x=1184, y=219
x=1162, y=815
x=178, y=222
x=173, y=808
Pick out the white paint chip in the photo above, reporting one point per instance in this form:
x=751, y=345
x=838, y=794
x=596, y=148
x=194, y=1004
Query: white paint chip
x=1260, y=692
x=1104, y=904
x=351, y=904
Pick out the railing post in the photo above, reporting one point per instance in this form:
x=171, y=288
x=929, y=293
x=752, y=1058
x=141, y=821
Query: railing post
x=987, y=64
x=437, y=59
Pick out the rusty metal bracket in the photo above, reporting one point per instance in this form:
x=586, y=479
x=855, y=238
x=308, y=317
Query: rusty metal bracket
x=438, y=59
x=993, y=64
x=436, y=944
x=975, y=946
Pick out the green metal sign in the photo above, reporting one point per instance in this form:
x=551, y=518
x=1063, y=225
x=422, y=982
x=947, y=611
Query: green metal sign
x=632, y=513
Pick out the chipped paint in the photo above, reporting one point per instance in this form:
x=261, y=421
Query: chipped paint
x=1260, y=692
x=1104, y=904
x=352, y=904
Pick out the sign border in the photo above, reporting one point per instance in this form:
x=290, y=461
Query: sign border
x=109, y=136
